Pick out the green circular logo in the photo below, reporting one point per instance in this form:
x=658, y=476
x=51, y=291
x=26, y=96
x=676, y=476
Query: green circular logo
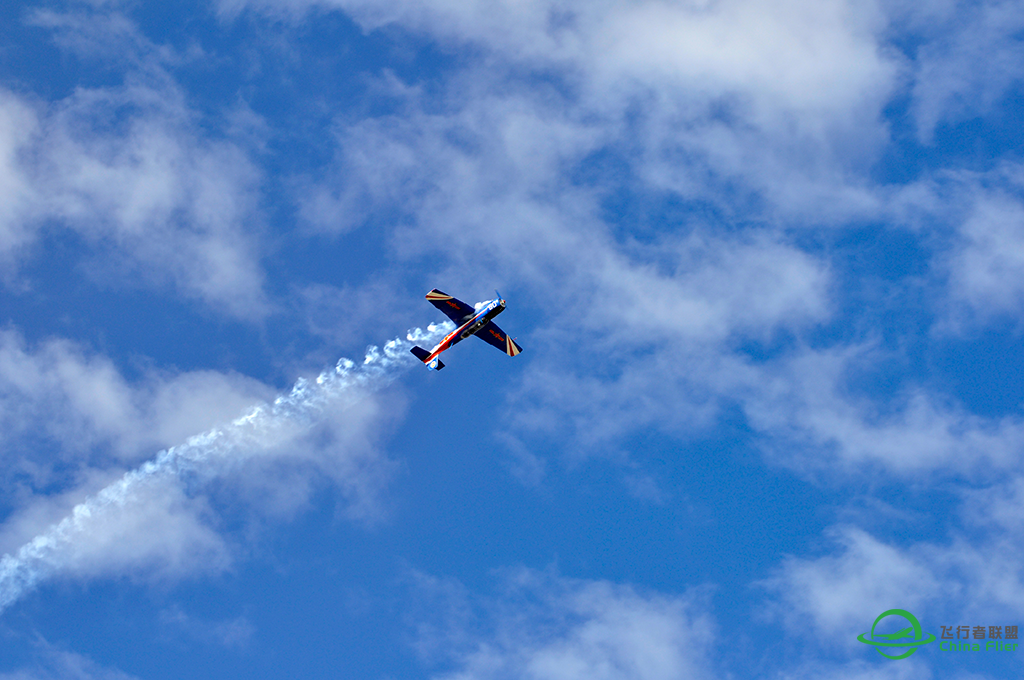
x=910, y=636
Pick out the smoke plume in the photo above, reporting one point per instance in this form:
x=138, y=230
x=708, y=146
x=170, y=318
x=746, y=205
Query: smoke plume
x=206, y=456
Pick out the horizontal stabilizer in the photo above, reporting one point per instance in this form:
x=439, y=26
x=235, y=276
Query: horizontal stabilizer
x=436, y=365
x=420, y=353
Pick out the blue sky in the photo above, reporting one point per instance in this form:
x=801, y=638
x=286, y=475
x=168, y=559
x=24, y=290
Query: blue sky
x=765, y=257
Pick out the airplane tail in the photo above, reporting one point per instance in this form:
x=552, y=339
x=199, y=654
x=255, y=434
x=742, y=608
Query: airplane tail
x=423, y=354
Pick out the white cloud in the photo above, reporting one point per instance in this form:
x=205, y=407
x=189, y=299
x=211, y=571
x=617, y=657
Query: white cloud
x=177, y=207
x=350, y=316
x=845, y=591
x=809, y=408
x=807, y=402
x=482, y=174
x=782, y=99
x=703, y=289
x=235, y=632
x=160, y=533
x=974, y=572
x=907, y=669
x=972, y=58
x=802, y=55
x=970, y=225
x=998, y=507
x=819, y=60
x=343, y=448
x=987, y=263
x=545, y=627
x=784, y=96
x=52, y=663
x=18, y=126
x=97, y=32
x=129, y=169
x=58, y=394
x=487, y=186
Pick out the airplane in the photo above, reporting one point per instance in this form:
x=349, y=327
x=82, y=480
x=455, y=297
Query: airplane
x=469, y=322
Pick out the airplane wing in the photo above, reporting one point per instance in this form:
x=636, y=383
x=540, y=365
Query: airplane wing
x=453, y=308
x=493, y=335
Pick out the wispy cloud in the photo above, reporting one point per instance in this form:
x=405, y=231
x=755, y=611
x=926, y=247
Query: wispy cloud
x=51, y=662
x=235, y=632
x=129, y=170
x=808, y=400
x=973, y=570
x=544, y=627
x=970, y=59
x=986, y=266
x=99, y=406
x=842, y=590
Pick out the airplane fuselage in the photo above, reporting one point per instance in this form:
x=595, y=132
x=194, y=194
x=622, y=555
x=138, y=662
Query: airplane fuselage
x=468, y=328
x=470, y=320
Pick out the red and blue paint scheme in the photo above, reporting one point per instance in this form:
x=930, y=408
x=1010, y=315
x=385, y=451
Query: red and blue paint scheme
x=468, y=321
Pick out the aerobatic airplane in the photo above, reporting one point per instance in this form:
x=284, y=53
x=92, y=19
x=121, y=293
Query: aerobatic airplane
x=469, y=322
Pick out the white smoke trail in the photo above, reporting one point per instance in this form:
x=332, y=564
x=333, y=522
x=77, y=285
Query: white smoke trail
x=206, y=455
